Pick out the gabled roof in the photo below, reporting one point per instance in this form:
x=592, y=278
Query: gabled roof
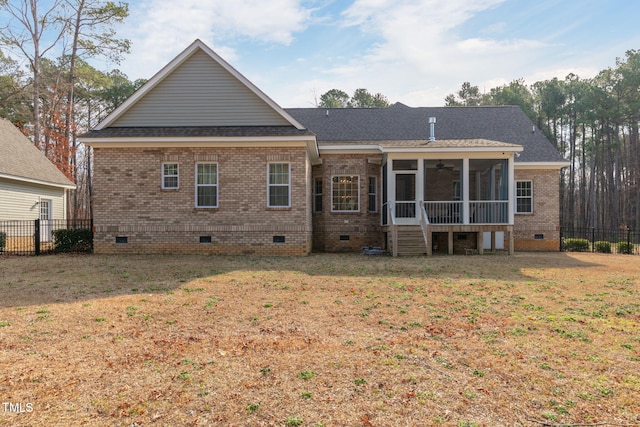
x=22, y=161
x=163, y=88
x=402, y=123
x=199, y=132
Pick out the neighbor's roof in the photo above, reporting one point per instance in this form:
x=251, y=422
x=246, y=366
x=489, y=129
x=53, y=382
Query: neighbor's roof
x=21, y=160
x=403, y=124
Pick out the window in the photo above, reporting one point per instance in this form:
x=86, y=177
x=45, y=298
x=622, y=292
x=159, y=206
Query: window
x=373, y=195
x=345, y=194
x=524, y=197
x=206, y=185
x=278, y=185
x=170, y=176
x=456, y=190
x=405, y=165
x=317, y=195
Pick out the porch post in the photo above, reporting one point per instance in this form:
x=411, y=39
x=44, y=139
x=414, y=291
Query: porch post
x=512, y=189
x=465, y=190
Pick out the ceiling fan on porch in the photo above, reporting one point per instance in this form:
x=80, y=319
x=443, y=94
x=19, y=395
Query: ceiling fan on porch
x=441, y=166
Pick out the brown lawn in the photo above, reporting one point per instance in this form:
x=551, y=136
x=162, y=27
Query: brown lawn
x=334, y=340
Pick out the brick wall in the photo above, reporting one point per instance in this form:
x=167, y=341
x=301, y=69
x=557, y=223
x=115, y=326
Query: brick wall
x=539, y=231
x=129, y=202
x=348, y=231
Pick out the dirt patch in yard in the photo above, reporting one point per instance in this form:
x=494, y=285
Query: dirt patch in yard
x=333, y=340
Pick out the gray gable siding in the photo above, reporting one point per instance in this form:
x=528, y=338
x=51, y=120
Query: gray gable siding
x=200, y=92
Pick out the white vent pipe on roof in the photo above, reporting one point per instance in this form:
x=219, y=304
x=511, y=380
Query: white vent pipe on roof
x=432, y=129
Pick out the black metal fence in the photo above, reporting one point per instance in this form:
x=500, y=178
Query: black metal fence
x=616, y=241
x=35, y=237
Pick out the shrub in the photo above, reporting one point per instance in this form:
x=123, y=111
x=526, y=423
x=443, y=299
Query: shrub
x=3, y=240
x=79, y=240
x=602, y=247
x=625, y=248
x=576, y=245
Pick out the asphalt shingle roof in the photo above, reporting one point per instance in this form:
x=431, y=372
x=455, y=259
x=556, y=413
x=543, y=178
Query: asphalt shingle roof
x=402, y=123
x=21, y=159
x=196, y=131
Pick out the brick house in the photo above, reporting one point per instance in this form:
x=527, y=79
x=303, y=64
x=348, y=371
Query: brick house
x=199, y=160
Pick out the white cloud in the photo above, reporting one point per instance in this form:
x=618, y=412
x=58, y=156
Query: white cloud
x=421, y=54
x=412, y=51
x=160, y=29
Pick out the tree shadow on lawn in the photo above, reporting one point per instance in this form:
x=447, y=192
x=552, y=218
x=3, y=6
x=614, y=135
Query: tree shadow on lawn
x=26, y=281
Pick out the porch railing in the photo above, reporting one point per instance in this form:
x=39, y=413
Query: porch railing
x=444, y=212
x=447, y=212
x=480, y=212
x=425, y=227
x=391, y=211
x=489, y=212
x=405, y=209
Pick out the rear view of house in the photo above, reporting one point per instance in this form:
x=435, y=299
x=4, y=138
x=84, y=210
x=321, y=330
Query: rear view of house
x=200, y=160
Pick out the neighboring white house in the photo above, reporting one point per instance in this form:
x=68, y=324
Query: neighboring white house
x=31, y=187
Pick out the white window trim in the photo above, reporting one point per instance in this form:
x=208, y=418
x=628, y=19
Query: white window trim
x=522, y=197
x=177, y=187
x=196, y=185
x=345, y=211
x=288, y=185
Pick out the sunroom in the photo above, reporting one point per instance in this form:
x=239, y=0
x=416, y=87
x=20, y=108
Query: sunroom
x=453, y=196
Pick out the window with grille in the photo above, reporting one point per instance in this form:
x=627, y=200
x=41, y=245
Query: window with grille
x=170, y=179
x=524, y=197
x=317, y=195
x=206, y=185
x=345, y=193
x=279, y=185
x=373, y=194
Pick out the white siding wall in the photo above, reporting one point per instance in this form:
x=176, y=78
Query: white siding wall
x=18, y=200
x=200, y=93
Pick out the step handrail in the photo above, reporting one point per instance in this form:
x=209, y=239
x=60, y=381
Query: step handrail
x=425, y=227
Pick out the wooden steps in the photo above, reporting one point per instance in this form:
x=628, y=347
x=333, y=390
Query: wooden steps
x=411, y=241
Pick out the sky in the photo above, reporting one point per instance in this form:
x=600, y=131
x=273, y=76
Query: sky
x=412, y=51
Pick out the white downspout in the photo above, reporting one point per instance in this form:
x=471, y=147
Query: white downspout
x=512, y=190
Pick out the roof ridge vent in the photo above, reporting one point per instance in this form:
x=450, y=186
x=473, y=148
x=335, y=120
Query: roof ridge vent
x=432, y=129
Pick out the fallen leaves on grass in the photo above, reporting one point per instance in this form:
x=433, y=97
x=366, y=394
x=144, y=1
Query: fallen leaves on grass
x=533, y=339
